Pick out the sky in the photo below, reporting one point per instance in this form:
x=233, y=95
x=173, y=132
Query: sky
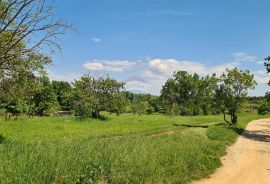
x=150, y=39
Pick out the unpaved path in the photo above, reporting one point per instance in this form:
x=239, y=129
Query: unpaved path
x=248, y=160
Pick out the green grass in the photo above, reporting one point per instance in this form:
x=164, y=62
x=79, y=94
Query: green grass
x=124, y=149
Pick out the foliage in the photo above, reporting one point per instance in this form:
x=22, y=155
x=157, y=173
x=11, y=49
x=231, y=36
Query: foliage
x=92, y=95
x=27, y=26
x=44, y=100
x=187, y=94
x=62, y=89
x=233, y=91
x=24, y=92
x=28, y=29
x=118, y=103
x=264, y=109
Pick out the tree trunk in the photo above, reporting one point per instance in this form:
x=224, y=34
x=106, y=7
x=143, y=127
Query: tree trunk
x=224, y=116
x=96, y=114
x=234, y=118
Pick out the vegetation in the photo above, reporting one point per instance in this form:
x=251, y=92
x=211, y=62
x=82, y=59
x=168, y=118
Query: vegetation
x=141, y=146
x=232, y=93
x=121, y=149
x=264, y=107
x=62, y=89
x=27, y=29
x=188, y=94
x=92, y=95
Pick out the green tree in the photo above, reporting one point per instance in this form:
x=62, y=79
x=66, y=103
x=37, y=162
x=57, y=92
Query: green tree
x=92, y=95
x=44, y=100
x=62, y=90
x=234, y=90
x=27, y=93
x=188, y=94
x=118, y=104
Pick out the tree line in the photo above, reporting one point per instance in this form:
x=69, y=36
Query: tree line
x=184, y=94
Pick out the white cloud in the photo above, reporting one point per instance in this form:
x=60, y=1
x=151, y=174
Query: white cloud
x=262, y=79
x=70, y=77
x=260, y=62
x=243, y=57
x=96, y=40
x=159, y=70
x=164, y=68
x=109, y=65
x=260, y=72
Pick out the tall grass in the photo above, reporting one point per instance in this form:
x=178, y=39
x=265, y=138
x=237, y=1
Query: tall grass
x=125, y=149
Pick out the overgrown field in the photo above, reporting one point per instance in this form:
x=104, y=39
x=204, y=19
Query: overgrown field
x=124, y=149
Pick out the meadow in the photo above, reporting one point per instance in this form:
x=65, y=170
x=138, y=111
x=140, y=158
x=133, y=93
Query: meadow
x=120, y=149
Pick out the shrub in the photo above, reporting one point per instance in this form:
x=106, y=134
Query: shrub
x=264, y=109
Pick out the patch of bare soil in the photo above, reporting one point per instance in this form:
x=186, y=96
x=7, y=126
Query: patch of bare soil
x=248, y=160
x=169, y=132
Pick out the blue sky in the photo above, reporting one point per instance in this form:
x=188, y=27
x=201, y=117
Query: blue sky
x=152, y=38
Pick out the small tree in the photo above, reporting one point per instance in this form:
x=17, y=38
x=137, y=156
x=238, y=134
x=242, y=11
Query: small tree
x=92, y=95
x=234, y=90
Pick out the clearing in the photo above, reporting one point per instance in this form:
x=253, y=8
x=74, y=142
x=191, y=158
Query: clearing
x=124, y=149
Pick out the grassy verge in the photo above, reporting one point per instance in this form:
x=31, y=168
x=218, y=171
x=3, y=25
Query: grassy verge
x=118, y=150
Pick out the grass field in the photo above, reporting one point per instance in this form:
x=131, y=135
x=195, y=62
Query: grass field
x=124, y=149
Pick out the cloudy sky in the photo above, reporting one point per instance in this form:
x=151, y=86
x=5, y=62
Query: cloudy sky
x=151, y=39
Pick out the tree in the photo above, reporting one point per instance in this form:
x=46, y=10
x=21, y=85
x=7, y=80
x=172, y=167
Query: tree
x=29, y=30
x=27, y=27
x=92, y=95
x=188, y=94
x=44, y=99
x=234, y=90
x=62, y=89
x=27, y=93
x=118, y=103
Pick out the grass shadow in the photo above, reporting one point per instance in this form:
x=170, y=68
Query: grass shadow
x=237, y=130
x=198, y=125
x=195, y=126
x=2, y=139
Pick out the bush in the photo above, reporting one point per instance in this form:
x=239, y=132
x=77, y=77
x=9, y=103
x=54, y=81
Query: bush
x=264, y=109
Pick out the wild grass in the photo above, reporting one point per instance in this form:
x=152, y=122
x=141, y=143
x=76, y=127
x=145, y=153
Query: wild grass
x=124, y=149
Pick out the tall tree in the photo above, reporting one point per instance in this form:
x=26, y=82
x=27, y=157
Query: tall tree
x=234, y=91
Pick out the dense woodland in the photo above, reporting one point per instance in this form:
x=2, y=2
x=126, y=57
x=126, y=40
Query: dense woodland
x=25, y=89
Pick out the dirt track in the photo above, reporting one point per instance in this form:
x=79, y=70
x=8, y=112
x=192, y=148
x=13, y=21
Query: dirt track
x=248, y=160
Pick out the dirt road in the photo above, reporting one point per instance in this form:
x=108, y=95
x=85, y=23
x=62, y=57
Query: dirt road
x=248, y=160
